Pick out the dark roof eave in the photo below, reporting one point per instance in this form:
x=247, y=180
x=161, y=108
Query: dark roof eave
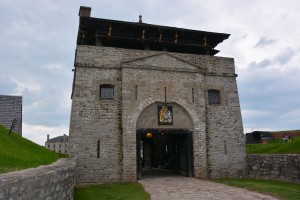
x=225, y=35
x=132, y=30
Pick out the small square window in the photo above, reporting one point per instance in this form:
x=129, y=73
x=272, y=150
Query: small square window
x=107, y=92
x=214, y=97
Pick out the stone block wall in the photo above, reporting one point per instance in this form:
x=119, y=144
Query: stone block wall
x=225, y=138
x=151, y=85
x=284, y=167
x=95, y=136
x=10, y=109
x=142, y=78
x=49, y=182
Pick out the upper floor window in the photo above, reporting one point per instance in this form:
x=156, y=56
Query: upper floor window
x=106, y=91
x=214, y=97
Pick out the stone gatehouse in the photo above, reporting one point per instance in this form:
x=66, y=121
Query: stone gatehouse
x=152, y=97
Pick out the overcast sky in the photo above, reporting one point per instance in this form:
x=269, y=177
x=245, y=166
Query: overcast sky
x=38, y=41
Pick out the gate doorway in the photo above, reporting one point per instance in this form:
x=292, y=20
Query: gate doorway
x=169, y=150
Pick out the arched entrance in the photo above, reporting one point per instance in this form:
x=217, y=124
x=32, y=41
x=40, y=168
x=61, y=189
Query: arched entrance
x=165, y=145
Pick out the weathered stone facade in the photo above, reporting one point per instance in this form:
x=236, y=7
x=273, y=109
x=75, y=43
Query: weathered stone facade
x=284, y=167
x=10, y=109
x=148, y=96
x=141, y=79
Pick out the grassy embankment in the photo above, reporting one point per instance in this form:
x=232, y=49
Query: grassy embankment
x=18, y=153
x=283, y=190
x=275, y=148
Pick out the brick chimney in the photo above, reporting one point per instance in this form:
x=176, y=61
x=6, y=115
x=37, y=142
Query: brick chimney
x=47, y=137
x=84, y=11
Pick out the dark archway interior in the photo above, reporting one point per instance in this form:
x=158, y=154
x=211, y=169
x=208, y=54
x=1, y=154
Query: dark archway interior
x=169, y=150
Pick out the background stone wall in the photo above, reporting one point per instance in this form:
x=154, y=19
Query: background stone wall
x=284, y=167
x=49, y=182
x=10, y=109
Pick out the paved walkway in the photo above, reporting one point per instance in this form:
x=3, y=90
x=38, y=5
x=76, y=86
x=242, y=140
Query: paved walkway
x=175, y=187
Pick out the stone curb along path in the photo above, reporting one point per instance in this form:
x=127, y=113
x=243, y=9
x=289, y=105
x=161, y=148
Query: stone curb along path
x=184, y=188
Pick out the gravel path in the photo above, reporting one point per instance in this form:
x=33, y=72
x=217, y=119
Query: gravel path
x=175, y=187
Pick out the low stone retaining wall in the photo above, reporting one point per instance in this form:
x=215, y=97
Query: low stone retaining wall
x=55, y=181
x=284, y=167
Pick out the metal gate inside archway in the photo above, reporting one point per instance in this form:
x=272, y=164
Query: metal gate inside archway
x=164, y=139
x=168, y=150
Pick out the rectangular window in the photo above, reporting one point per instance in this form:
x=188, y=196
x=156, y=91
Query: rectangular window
x=107, y=92
x=214, y=97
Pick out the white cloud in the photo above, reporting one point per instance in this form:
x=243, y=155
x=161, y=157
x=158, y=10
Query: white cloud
x=256, y=113
x=263, y=41
x=55, y=66
x=291, y=115
x=65, y=101
x=38, y=133
x=249, y=129
x=23, y=85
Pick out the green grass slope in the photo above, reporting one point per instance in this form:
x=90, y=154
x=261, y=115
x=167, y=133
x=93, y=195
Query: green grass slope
x=18, y=153
x=290, y=147
x=275, y=148
x=284, y=190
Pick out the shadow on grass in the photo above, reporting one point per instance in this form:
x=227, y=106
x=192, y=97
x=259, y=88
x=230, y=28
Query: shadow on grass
x=128, y=191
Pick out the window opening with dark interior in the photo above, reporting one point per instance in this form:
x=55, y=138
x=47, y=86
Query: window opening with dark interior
x=107, y=91
x=214, y=97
